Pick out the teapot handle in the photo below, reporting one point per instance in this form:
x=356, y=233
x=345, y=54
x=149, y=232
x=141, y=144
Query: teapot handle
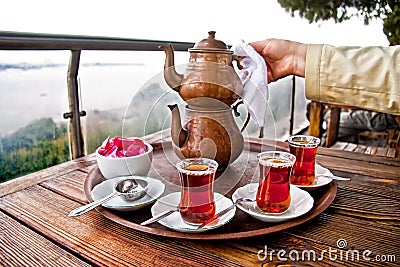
x=239, y=65
x=244, y=74
x=237, y=114
x=238, y=60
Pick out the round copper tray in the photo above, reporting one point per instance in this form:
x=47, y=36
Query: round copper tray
x=238, y=174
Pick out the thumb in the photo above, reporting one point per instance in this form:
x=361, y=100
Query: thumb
x=258, y=46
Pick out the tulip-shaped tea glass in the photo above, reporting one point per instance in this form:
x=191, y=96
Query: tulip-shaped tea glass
x=304, y=147
x=273, y=194
x=197, y=200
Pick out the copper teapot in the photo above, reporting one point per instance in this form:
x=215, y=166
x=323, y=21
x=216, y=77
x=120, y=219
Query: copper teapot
x=209, y=74
x=206, y=133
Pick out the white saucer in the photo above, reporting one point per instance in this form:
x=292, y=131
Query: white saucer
x=319, y=179
x=175, y=221
x=155, y=190
x=301, y=202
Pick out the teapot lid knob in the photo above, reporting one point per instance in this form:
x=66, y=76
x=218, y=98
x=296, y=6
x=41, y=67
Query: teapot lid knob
x=211, y=44
x=211, y=34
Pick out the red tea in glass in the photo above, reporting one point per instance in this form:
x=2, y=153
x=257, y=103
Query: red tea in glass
x=197, y=200
x=273, y=194
x=304, y=148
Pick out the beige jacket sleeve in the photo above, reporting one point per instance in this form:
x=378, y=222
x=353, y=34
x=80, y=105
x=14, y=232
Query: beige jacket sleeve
x=366, y=77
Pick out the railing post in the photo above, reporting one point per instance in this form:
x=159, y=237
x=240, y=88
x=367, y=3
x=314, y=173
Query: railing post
x=74, y=114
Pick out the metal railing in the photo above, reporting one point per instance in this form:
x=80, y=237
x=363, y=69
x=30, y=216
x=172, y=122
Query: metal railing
x=77, y=43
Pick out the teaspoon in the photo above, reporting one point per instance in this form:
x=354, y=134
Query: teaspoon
x=127, y=188
x=222, y=212
x=159, y=217
x=334, y=177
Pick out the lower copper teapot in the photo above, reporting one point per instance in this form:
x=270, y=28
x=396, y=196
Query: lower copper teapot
x=206, y=133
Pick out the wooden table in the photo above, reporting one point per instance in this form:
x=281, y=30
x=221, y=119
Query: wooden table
x=364, y=218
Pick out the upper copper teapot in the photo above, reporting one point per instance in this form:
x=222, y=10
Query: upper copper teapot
x=209, y=74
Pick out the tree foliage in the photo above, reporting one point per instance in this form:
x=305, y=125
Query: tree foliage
x=39, y=145
x=340, y=10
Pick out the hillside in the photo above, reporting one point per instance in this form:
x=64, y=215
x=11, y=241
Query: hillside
x=39, y=145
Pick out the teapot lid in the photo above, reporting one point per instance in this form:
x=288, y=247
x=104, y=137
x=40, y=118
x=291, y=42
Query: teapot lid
x=210, y=44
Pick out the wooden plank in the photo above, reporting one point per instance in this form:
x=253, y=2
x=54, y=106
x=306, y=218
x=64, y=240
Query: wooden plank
x=381, y=151
x=69, y=185
x=360, y=149
x=391, y=153
x=331, y=228
x=339, y=145
x=360, y=195
x=333, y=153
x=20, y=246
x=316, y=119
x=371, y=150
x=303, y=247
x=350, y=147
x=367, y=168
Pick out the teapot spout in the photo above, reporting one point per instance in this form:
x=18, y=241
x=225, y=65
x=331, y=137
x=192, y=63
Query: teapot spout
x=178, y=134
x=172, y=78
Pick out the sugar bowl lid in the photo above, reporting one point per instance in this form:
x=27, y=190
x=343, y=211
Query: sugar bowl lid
x=210, y=44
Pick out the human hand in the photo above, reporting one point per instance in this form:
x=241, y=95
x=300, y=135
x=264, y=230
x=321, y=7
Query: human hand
x=282, y=57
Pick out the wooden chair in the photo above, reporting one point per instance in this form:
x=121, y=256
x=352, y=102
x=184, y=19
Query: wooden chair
x=317, y=112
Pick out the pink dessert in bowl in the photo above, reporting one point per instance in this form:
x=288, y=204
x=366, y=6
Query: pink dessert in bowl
x=120, y=156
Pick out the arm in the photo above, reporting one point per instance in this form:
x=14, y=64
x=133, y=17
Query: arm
x=366, y=77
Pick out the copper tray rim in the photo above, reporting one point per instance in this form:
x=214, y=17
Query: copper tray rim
x=325, y=201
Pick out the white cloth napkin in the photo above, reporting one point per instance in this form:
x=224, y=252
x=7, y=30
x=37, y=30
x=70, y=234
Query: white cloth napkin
x=255, y=81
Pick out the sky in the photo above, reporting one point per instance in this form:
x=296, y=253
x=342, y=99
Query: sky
x=180, y=20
